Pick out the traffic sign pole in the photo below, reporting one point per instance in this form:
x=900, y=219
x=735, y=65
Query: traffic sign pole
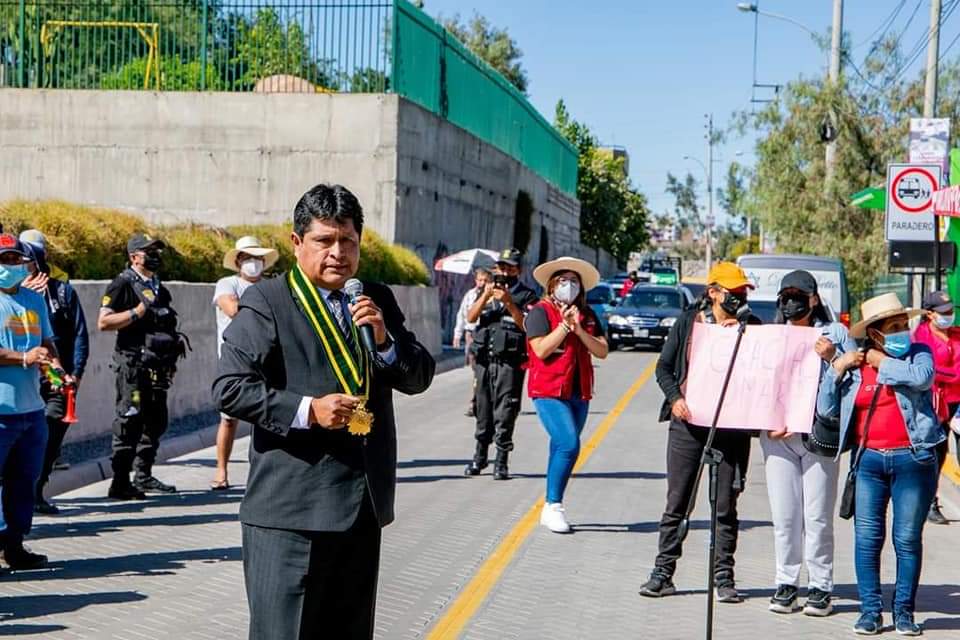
x=936, y=252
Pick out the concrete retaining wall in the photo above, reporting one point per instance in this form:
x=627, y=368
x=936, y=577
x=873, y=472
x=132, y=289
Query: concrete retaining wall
x=218, y=158
x=190, y=394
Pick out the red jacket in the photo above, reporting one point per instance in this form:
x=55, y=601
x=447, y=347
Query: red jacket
x=553, y=377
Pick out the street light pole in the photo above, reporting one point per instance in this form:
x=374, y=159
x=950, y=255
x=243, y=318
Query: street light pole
x=709, y=256
x=835, y=41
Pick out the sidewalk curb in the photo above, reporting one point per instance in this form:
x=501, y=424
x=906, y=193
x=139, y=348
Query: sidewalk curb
x=91, y=471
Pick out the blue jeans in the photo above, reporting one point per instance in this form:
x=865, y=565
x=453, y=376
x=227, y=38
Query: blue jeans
x=910, y=480
x=563, y=421
x=23, y=440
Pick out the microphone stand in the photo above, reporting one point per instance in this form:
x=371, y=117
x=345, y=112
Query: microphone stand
x=712, y=458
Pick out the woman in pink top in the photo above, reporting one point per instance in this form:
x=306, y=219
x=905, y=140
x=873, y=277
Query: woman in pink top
x=936, y=330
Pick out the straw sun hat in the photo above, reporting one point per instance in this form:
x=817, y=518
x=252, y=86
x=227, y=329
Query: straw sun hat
x=880, y=308
x=589, y=276
x=250, y=245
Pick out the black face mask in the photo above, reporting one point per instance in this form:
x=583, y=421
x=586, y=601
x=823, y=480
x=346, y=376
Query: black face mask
x=794, y=307
x=731, y=303
x=152, y=261
x=512, y=280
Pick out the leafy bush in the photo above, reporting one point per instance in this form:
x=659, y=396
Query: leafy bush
x=175, y=75
x=90, y=244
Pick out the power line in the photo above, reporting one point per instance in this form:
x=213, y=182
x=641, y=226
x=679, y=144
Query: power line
x=889, y=23
x=919, y=47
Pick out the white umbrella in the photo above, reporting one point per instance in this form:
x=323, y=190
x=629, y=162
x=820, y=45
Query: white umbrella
x=466, y=261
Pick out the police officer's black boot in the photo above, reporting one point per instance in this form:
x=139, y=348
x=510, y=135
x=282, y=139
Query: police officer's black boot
x=479, y=462
x=500, y=471
x=122, y=489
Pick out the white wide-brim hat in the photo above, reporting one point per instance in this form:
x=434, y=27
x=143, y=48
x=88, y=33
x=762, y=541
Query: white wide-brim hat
x=589, y=276
x=880, y=308
x=250, y=245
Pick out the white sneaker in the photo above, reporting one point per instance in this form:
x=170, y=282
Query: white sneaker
x=554, y=518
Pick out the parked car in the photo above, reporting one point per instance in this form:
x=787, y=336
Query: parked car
x=646, y=315
x=767, y=270
x=602, y=300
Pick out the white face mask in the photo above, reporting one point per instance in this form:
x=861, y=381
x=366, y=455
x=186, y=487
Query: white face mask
x=566, y=291
x=944, y=321
x=252, y=268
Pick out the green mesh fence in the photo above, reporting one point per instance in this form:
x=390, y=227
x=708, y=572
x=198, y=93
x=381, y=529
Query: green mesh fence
x=362, y=46
x=433, y=69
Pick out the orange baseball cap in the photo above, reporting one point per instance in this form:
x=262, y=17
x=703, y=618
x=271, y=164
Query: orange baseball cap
x=729, y=276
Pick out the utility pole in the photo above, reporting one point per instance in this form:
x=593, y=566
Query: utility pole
x=836, y=36
x=709, y=126
x=930, y=111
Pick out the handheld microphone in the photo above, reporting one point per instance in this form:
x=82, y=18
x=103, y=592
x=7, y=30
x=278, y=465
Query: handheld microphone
x=354, y=289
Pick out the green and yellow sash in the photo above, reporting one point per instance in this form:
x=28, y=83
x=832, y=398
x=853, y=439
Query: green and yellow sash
x=352, y=368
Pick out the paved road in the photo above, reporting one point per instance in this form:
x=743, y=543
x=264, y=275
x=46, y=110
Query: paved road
x=169, y=567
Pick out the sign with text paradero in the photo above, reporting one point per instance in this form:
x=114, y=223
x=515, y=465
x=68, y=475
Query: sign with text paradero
x=910, y=189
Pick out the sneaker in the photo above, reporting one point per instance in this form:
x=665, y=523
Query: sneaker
x=149, y=484
x=869, y=624
x=554, y=517
x=125, y=491
x=44, y=508
x=785, y=599
x=818, y=603
x=935, y=515
x=906, y=626
x=20, y=558
x=658, y=586
x=726, y=592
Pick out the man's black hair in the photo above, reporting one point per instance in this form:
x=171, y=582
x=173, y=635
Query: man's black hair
x=327, y=202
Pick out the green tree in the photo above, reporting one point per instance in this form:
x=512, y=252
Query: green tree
x=686, y=210
x=174, y=76
x=613, y=215
x=492, y=44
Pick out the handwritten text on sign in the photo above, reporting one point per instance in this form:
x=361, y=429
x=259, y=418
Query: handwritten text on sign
x=774, y=381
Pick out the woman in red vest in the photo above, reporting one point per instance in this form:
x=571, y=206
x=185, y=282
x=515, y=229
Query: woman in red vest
x=562, y=334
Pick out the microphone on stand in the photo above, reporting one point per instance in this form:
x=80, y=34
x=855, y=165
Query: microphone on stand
x=354, y=289
x=743, y=316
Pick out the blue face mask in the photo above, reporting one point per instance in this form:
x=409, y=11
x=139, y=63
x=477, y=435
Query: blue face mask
x=11, y=275
x=897, y=344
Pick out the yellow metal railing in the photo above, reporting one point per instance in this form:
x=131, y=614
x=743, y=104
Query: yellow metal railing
x=149, y=31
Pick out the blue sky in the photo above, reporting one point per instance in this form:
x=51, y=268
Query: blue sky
x=643, y=73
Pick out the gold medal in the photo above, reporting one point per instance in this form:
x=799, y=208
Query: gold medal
x=361, y=421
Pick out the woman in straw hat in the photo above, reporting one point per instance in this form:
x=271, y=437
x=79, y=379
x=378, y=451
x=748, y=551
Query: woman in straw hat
x=882, y=396
x=562, y=335
x=249, y=259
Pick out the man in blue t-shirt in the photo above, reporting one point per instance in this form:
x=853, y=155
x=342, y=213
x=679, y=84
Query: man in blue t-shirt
x=26, y=349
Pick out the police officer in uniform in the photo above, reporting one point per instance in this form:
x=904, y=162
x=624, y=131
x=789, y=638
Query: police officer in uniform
x=138, y=307
x=500, y=349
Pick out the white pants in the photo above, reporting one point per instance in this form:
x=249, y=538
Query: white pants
x=803, y=493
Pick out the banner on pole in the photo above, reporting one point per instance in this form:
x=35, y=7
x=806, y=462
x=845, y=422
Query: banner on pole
x=774, y=382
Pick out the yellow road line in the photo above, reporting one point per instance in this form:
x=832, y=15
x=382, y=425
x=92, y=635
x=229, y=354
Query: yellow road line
x=951, y=470
x=475, y=592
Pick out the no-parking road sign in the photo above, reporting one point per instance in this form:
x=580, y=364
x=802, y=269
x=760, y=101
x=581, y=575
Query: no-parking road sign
x=910, y=190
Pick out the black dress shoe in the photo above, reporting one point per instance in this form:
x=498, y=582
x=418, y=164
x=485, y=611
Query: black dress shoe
x=45, y=508
x=19, y=558
x=149, y=484
x=125, y=491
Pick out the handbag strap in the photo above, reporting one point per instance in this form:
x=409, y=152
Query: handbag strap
x=866, y=428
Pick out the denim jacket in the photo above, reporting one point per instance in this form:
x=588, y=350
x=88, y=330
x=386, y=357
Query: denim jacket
x=911, y=378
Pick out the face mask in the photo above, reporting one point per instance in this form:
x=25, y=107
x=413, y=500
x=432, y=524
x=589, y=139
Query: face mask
x=566, y=292
x=11, y=275
x=152, y=261
x=944, y=322
x=794, y=308
x=731, y=303
x=512, y=280
x=897, y=344
x=252, y=268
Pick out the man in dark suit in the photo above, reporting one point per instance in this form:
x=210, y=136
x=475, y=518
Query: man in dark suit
x=320, y=487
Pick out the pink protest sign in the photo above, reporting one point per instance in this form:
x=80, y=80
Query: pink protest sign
x=774, y=382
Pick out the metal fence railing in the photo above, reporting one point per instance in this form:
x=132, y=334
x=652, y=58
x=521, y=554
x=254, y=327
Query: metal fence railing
x=363, y=46
x=196, y=45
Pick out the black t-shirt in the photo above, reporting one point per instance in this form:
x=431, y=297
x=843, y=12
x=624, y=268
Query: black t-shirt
x=523, y=297
x=120, y=296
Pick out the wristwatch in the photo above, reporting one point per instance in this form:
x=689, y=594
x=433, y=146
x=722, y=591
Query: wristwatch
x=133, y=315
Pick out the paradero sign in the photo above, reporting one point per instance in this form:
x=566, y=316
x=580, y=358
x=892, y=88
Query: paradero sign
x=910, y=189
